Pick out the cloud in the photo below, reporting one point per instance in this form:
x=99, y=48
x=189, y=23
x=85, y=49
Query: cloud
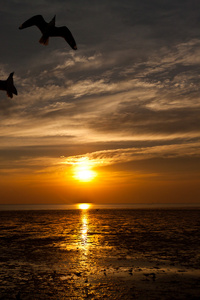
x=116, y=156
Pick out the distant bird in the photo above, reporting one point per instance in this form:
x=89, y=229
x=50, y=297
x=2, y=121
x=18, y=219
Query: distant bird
x=8, y=86
x=49, y=30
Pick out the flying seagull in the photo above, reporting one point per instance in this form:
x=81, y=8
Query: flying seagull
x=8, y=86
x=49, y=29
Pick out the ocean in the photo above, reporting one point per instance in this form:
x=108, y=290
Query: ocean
x=100, y=253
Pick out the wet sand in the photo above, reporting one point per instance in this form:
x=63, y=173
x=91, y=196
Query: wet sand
x=46, y=257
x=115, y=280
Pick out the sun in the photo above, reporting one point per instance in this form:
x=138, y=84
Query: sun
x=84, y=173
x=83, y=205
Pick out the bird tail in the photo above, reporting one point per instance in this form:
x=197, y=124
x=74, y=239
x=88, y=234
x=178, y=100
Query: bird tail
x=44, y=40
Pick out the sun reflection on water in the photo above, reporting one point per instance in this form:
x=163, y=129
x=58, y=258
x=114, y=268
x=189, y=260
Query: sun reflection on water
x=84, y=228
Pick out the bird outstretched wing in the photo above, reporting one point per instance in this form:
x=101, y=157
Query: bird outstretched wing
x=66, y=34
x=8, y=86
x=3, y=85
x=14, y=90
x=37, y=21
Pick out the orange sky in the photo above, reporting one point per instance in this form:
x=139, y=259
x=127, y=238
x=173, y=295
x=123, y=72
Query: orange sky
x=164, y=181
x=125, y=105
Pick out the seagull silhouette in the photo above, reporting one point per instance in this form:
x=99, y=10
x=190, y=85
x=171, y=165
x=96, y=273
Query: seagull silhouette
x=8, y=86
x=49, y=30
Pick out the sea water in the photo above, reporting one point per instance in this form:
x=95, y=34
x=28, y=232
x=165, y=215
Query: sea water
x=100, y=254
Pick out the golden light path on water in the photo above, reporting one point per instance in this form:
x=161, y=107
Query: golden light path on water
x=84, y=224
x=84, y=228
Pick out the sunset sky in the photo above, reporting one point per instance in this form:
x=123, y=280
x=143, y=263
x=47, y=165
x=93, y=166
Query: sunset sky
x=118, y=120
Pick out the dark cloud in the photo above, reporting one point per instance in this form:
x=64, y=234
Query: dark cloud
x=140, y=120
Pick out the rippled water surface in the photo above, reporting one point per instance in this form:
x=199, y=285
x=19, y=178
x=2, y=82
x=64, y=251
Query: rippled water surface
x=100, y=254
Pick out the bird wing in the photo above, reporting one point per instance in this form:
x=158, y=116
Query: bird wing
x=37, y=21
x=3, y=85
x=14, y=90
x=66, y=34
x=11, y=89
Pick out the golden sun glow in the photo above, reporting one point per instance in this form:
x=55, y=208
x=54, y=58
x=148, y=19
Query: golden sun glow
x=84, y=205
x=84, y=173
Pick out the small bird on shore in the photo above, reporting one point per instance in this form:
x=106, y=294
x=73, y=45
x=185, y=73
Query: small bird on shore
x=131, y=271
x=8, y=86
x=50, y=30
